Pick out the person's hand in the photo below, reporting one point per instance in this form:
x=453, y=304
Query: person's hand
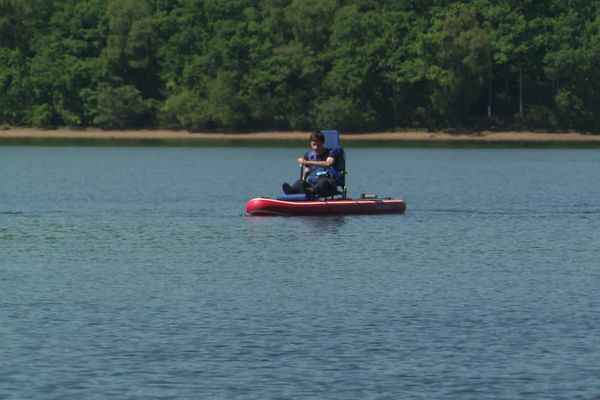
x=301, y=160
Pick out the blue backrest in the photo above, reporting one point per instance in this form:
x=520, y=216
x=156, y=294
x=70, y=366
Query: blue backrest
x=332, y=140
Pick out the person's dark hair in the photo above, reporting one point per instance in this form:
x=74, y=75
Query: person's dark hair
x=317, y=136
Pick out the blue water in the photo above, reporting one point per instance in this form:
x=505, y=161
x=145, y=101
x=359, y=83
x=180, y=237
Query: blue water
x=131, y=273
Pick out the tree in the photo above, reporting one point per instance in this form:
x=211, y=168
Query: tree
x=297, y=64
x=121, y=107
x=355, y=51
x=65, y=63
x=460, y=65
x=15, y=87
x=130, y=53
x=403, y=67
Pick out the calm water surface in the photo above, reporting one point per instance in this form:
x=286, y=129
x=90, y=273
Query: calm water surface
x=131, y=273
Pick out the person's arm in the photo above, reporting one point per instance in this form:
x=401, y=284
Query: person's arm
x=324, y=164
x=301, y=161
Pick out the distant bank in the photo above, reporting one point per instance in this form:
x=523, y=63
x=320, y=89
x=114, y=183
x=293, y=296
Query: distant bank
x=25, y=136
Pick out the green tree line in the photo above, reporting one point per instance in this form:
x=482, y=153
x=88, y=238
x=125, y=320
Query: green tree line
x=300, y=64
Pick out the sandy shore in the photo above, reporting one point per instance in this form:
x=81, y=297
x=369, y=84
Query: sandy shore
x=409, y=136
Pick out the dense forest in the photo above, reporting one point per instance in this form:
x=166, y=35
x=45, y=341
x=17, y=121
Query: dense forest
x=355, y=65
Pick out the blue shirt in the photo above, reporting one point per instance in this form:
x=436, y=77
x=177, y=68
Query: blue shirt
x=318, y=172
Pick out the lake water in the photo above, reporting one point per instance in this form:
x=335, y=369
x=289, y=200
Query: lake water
x=132, y=273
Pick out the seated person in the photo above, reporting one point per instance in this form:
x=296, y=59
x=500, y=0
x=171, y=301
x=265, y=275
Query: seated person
x=322, y=178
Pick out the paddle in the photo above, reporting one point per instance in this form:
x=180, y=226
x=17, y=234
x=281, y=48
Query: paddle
x=303, y=176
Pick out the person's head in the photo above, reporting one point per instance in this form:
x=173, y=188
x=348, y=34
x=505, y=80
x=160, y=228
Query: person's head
x=317, y=140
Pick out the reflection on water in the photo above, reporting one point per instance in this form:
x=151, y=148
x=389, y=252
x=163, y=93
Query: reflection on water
x=325, y=224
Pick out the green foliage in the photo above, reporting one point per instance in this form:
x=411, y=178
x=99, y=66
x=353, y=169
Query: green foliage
x=460, y=63
x=42, y=116
x=299, y=64
x=122, y=107
x=183, y=110
x=342, y=113
x=15, y=88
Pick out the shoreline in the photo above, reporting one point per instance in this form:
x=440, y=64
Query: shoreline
x=25, y=135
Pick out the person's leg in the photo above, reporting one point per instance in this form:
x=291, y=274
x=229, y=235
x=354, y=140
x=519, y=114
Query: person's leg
x=299, y=186
x=296, y=188
x=324, y=187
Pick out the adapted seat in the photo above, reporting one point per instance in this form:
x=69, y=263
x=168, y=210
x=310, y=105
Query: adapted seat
x=332, y=141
